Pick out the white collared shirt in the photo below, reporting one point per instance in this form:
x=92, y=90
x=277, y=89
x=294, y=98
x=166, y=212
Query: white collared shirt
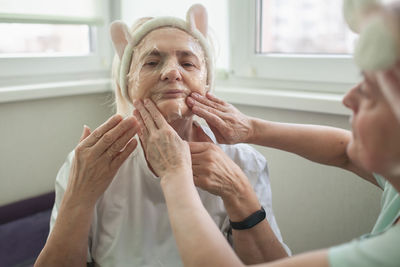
x=131, y=226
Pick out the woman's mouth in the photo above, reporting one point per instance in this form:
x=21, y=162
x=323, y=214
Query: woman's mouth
x=174, y=93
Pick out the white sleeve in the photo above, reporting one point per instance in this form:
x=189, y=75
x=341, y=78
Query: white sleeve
x=60, y=187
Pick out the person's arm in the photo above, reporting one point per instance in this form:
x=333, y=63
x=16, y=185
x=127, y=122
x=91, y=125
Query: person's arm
x=199, y=240
x=98, y=157
x=216, y=173
x=68, y=241
x=259, y=243
x=321, y=144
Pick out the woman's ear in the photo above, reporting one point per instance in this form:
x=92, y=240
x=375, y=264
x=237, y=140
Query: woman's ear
x=120, y=37
x=198, y=19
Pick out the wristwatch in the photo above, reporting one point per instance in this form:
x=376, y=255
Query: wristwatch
x=250, y=221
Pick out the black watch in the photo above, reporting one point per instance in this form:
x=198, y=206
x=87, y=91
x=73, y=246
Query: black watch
x=250, y=221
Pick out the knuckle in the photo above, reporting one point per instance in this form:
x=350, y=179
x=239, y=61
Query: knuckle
x=169, y=133
x=79, y=149
x=96, y=134
x=107, y=138
x=153, y=138
x=213, y=147
x=206, y=183
x=208, y=157
x=114, y=148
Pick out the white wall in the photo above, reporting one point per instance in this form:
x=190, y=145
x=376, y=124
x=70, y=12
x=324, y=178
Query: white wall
x=315, y=206
x=36, y=137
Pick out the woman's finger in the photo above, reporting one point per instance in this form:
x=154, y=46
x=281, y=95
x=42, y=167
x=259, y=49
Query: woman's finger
x=121, y=142
x=215, y=99
x=146, y=117
x=85, y=133
x=198, y=147
x=206, y=101
x=101, y=130
x=109, y=138
x=198, y=162
x=210, y=117
x=143, y=132
x=122, y=156
x=155, y=113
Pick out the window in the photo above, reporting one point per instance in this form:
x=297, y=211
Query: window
x=52, y=39
x=44, y=39
x=303, y=27
x=217, y=19
x=302, y=44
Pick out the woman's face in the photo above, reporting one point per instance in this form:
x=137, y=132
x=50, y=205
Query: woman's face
x=376, y=133
x=168, y=65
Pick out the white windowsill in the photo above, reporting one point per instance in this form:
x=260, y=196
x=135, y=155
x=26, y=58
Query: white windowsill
x=328, y=103
x=56, y=89
x=282, y=99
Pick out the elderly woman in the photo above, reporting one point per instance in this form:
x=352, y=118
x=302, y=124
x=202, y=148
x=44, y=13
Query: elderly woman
x=123, y=221
x=371, y=150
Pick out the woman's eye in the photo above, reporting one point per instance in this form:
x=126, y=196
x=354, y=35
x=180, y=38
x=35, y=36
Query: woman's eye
x=188, y=64
x=151, y=63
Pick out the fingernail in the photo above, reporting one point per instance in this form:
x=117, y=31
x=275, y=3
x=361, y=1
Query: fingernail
x=135, y=103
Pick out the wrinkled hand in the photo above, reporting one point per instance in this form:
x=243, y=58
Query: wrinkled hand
x=214, y=171
x=389, y=81
x=166, y=152
x=98, y=157
x=228, y=124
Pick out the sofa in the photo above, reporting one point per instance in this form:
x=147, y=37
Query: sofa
x=24, y=227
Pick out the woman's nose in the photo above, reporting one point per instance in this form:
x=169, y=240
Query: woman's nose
x=171, y=73
x=350, y=99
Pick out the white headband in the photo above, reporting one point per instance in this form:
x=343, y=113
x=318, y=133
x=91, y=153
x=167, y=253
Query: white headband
x=377, y=47
x=195, y=14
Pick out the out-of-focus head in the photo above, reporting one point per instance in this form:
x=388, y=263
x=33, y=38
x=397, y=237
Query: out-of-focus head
x=375, y=142
x=376, y=110
x=164, y=59
x=378, y=47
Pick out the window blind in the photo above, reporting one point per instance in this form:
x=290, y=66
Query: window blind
x=52, y=11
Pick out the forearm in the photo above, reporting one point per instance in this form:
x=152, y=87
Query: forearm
x=68, y=241
x=259, y=243
x=199, y=240
x=322, y=144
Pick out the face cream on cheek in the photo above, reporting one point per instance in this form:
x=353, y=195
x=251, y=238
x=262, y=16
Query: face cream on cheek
x=173, y=109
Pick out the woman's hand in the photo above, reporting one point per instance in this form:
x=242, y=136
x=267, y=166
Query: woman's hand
x=216, y=173
x=98, y=157
x=229, y=125
x=166, y=152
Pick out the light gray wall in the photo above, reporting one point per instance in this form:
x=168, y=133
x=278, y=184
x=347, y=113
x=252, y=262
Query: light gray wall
x=315, y=206
x=36, y=137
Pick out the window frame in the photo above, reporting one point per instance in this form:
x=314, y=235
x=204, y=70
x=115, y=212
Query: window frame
x=329, y=73
x=23, y=69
